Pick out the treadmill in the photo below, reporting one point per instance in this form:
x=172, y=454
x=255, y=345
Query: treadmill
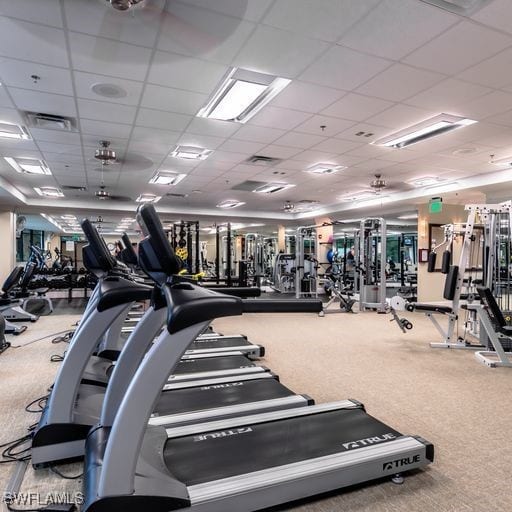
x=241, y=463
x=207, y=343
x=75, y=402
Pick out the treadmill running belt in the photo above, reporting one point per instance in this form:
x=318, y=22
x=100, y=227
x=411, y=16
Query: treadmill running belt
x=218, y=343
x=211, y=456
x=219, y=395
x=211, y=364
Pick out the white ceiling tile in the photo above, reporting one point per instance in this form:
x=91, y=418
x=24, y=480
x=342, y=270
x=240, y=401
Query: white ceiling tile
x=312, y=156
x=5, y=101
x=400, y=82
x=202, y=141
x=337, y=146
x=227, y=156
x=356, y=107
x=103, y=129
x=275, y=151
x=213, y=127
x=65, y=158
x=447, y=94
x=332, y=125
x=216, y=164
x=18, y=73
x=40, y=44
x=100, y=20
x=105, y=111
x=299, y=140
x=321, y=19
x=396, y=27
x=241, y=146
x=343, y=68
x=306, y=97
x=294, y=55
x=504, y=119
x=21, y=148
x=55, y=136
x=497, y=14
x=149, y=147
x=163, y=120
x=276, y=117
x=85, y=81
x=202, y=33
x=46, y=12
x=173, y=100
x=488, y=105
x=251, y=10
x=376, y=133
x=42, y=101
x=67, y=149
x=91, y=141
x=143, y=134
x=187, y=73
x=107, y=57
x=403, y=155
x=458, y=48
x=10, y=115
x=258, y=134
x=494, y=72
x=401, y=116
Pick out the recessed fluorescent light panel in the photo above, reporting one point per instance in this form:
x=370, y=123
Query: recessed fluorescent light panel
x=148, y=198
x=241, y=95
x=166, y=178
x=68, y=218
x=13, y=131
x=461, y=7
x=230, y=203
x=325, y=168
x=49, y=191
x=433, y=127
x=28, y=166
x=357, y=196
x=272, y=188
x=408, y=216
x=191, y=153
x=428, y=181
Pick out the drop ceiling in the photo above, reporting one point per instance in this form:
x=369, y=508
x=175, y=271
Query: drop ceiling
x=371, y=66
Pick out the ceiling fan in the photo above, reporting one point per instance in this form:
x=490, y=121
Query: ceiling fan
x=379, y=184
x=303, y=205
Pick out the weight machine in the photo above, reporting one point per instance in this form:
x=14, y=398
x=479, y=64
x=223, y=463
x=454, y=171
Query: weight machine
x=186, y=244
x=370, y=260
x=306, y=263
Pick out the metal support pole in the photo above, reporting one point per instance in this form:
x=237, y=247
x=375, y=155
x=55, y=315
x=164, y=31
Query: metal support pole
x=228, y=255
x=217, y=254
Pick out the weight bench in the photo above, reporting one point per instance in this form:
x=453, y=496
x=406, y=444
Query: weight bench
x=451, y=292
x=495, y=326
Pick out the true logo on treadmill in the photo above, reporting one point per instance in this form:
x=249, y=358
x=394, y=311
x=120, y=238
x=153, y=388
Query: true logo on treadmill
x=222, y=434
x=368, y=441
x=220, y=386
x=398, y=463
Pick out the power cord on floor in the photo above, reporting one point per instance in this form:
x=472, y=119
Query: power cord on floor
x=43, y=338
x=57, y=472
x=41, y=403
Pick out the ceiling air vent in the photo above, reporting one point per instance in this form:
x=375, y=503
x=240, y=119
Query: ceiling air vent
x=462, y=7
x=50, y=121
x=267, y=161
x=248, y=186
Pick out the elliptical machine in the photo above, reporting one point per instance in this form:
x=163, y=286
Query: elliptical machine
x=4, y=345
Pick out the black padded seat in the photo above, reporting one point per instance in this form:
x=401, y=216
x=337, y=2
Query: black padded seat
x=12, y=279
x=115, y=291
x=432, y=308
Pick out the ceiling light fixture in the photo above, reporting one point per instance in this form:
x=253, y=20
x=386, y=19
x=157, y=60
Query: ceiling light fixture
x=242, y=94
x=427, y=129
x=427, y=181
x=28, y=165
x=68, y=217
x=408, y=216
x=13, y=131
x=52, y=220
x=148, y=198
x=168, y=178
x=191, y=153
x=49, y=191
x=357, y=196
x=325, y=168
x=230, y=203
x=272, y=188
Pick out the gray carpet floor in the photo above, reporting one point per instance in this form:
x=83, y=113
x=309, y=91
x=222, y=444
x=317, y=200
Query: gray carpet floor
x=445, y=396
